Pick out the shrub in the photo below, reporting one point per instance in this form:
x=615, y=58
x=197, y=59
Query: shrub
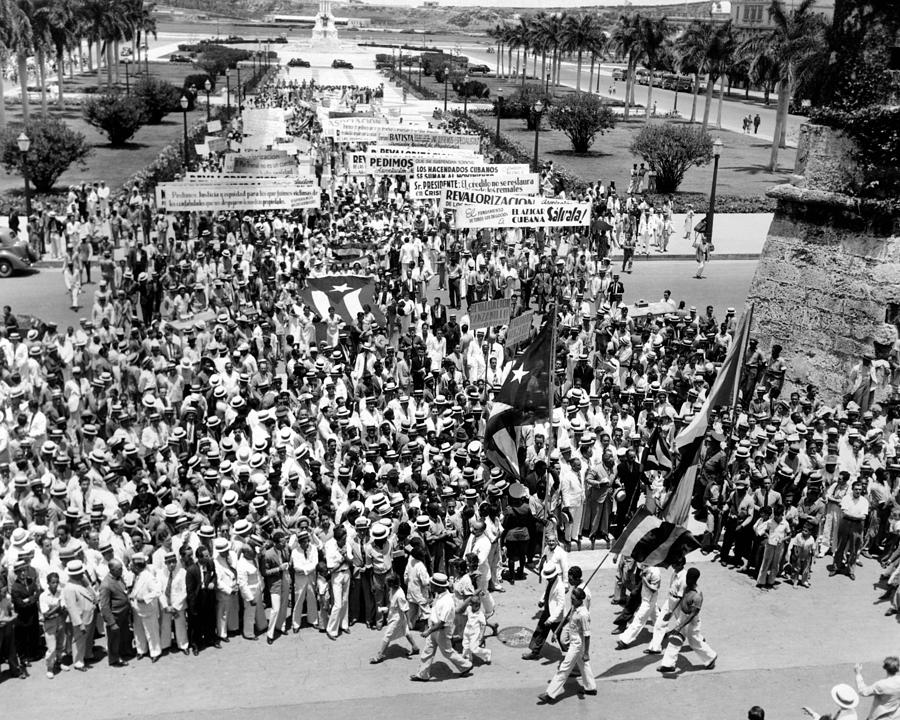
x=581, y=117
x=116, y=114
x=159, y=98
x=671, y=149
x=216, y=59
x=54, y=148
x=519, y=105
x=198, y=81
x=472, y=89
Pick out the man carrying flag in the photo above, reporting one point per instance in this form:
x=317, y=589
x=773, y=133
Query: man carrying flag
x=523, y=399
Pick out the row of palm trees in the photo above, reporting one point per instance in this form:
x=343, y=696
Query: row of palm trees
x=782, y=57
x=61, y=29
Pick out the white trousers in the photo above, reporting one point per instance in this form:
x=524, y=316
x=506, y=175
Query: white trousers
x=573, y=658
x=645, y=614
x=146, y=634
x=227, y=613
x=693, y=637
x=167, y=620
x=305, y=591
x=340, y=590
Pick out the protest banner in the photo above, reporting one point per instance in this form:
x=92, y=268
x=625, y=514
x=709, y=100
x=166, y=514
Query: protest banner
x=263, y=125
x=356, y=163
x=452, y=198
x=202, y=149
x=491, y=312
x=217, y=144
x=285, y=166
x=406, y=137
x=401, y=161
x=264, y=194
x=430, y=178
x=214, y=126
x=547, y=214
x=519, y=328
x=252, y=178
x=355, y=129
x=248, y=155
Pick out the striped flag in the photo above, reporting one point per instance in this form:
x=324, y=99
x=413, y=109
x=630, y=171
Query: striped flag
x=345, y=293
x=660, y=540
x=653, y=541
x=657, y=455
x=523, y=399
x=690, y=440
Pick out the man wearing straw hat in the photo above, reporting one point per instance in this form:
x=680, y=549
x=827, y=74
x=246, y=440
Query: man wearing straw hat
x=437, y=634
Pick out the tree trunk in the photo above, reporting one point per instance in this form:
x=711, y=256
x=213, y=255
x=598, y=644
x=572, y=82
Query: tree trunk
x=543, y=67
x=508, y=62
x=90, y=55
x=559, y=62
x=109, y=65
x=2, y=95
x=782, y=138
x=649, y=96
x=115, y=60
x=773, y=157
x=694, y=99
x=99, y=70
x=721, y=95
x=534, y=68
x=709, y=99
x=42, y=69
x=524, y=69
x=60, y=75
x=499, y=55
x=627, y=86
x=591, y=76
x=768, y=90
x=22, y=60
x=578, y=73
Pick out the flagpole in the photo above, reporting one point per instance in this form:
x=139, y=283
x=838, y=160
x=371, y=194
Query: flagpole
x=551, y=398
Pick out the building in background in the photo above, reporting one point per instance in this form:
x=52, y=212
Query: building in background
x=754, y=14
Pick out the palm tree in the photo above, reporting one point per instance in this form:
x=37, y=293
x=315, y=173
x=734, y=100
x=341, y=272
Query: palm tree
x=495, y=32
x=15, y=28
x=597, y=49
x=652, y=36
x=106, y=24
x=691, y=47
x=61, y=24
x=624, y=40
x=23, y=37
x=578, y=34
x=797, y=42
x=143, y=26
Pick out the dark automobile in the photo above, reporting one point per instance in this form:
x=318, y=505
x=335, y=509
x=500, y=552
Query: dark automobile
x=298, y=62
x=180, y=58
x=483, y=69
x=619, y=74
x=342, y=64
x=14, y=254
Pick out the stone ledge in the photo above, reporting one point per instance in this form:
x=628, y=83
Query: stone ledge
x=877, y=217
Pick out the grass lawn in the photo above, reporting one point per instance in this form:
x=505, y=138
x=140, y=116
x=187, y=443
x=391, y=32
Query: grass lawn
x=174, y=73
x=113, y=165
x=742, y=169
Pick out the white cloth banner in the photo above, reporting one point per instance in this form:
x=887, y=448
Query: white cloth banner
x=265, y=194
x=558, y=214
x=429, y=178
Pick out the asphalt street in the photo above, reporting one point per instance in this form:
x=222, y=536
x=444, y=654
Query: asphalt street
x=780, y=649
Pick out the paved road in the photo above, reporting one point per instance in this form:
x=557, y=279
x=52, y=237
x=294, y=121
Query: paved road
x=780, y=649
x=733, y=111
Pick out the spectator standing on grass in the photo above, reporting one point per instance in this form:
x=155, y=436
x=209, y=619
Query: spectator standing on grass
x=756, y=122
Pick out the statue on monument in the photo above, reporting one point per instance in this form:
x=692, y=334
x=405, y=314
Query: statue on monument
x=325, y=31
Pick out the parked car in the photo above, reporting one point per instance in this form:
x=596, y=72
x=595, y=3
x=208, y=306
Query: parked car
x=180, y=58
x=619, y=74
x=341, y=64
x=14, y=255
x=642, y=77
x=483, y=69
x=298, y=62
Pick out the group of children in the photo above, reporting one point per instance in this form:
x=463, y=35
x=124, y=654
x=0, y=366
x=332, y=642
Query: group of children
x=794, y=556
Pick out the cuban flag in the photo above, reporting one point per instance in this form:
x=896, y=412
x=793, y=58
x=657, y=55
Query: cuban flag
x=345, y=293
x=523, y=399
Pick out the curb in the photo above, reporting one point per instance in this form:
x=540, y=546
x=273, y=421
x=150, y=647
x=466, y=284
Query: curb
x=656, y=257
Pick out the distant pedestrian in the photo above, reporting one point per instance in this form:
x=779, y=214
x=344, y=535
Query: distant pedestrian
x=756, y=122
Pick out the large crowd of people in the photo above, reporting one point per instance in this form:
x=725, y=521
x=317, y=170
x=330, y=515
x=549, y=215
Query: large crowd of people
x=204, y=457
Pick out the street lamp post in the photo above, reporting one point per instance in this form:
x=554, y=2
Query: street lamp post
x=228, y=91
x=207, y=86
x=499, y=109
x=420, y=71
x=547, y=84
x=184, y=106
x=538, y=109
x=710, y=216
x=465, y=89
x=24, y=143
x=239, y=99
x=127, y=79
x=446, y=76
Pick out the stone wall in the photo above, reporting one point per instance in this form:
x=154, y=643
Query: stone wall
x=829, y=271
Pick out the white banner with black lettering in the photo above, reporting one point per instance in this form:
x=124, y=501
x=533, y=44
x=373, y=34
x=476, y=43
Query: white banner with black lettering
x=544, y=214
x=264, y=194
x=430, y=178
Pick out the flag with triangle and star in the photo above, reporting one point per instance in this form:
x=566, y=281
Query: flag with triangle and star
x=345, y=293
x=523, y=399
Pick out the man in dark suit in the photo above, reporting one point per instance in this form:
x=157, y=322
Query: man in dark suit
x=200, y=581
x=115, y=608
x=24, y=591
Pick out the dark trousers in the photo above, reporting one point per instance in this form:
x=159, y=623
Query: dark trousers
x=543, y=629
x=118, y=641
x=516, y=554
x=8, y=647
x=202, y=620
x=360, y=605
x=29, y=639
x=850, y=535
